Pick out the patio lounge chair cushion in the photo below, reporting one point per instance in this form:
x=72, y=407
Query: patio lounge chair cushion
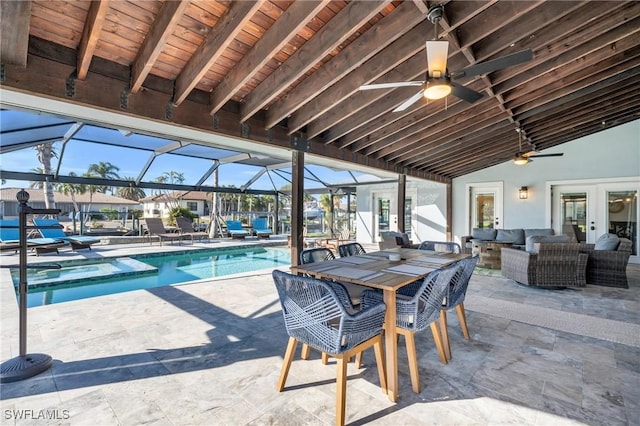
x=10, y=239
x=261, y=228
x=530, y=245
x=55, y=231
x=607, y=242
x=234, y=227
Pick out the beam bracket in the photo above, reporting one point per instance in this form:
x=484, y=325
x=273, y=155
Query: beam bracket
x=245, y=130
x=168, y=111
x=216, y=121
x=270, y=135
x=124, y=98
x=2, y=75
x=70, y=85
x=299, y=143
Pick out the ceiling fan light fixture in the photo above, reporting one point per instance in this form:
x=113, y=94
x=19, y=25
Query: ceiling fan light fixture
x=520, y=160
x=437, y=90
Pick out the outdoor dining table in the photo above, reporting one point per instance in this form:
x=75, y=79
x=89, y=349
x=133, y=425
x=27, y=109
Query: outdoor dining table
x=375, y=270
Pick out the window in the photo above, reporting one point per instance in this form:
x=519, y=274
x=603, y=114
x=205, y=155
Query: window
x=192, y=206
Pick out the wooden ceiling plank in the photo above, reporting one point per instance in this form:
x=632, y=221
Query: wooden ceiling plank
x=273, y=40
x=328, y=38
x=90, y=35
x=218, y=39
x=14, y=27
x=358, y=60
x=164, y=25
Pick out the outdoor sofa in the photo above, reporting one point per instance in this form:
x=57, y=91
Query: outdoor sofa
x=517, y=236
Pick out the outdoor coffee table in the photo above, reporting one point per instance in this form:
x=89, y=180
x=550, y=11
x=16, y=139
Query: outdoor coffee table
x=489, y=253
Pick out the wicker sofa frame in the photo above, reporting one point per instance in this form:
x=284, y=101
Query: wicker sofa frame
x=608, y=267
x=553, y=266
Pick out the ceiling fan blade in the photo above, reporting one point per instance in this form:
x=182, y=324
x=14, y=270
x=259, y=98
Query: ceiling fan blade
x=559, y=154
x=406, y=104
x=391, y=85
x=495, y=64
x=437, y=58
x=464, y=93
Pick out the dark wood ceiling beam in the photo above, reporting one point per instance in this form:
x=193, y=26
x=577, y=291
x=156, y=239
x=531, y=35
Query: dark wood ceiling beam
x=90, y=35
x=582, y=79
x=442, y=141
x=500, y=14
x=528, y=26
x=164, y=25
x=328, y=38
x=629, y=87
x=15, y=18
x=211, y=49
x=355, y=65
x=584, y=56
x=274, y=39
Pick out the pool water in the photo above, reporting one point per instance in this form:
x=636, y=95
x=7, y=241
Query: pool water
x=93, y=278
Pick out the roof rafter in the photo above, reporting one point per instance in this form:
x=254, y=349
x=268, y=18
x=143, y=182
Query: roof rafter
x=90, y=35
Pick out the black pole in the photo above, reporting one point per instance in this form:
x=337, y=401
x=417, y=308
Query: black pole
x=24, y=365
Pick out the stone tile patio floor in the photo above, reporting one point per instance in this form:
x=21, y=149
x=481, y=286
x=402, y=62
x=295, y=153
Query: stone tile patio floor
x=209, y=353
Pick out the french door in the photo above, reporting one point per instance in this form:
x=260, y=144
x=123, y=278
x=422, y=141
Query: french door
x=485, y=205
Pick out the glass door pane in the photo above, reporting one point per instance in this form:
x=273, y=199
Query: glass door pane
x=384, y=208
x=484, y=210
x=407, y=216
x=622, y=213
x=573, y=206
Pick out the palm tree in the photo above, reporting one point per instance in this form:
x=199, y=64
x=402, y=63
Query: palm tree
x=45, y=153
x=105, y=170
x=72, y=189
x=174, y=178
x=92, y=190
x=131, y=192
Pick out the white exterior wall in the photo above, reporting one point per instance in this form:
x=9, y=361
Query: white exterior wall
x=429, y=204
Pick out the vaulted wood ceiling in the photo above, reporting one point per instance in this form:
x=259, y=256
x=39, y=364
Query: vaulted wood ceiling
x=288, y=73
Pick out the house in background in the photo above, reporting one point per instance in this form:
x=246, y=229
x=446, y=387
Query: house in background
x=86, y=202
x=160, y=205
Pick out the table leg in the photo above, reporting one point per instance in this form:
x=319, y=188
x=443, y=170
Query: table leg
x=391, y=344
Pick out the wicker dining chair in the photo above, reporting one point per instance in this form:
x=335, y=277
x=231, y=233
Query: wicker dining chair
x=318, y=314
x=455, y=299
x=417, y=312
x=313, y=255
x=350, y=249
x=440, y=246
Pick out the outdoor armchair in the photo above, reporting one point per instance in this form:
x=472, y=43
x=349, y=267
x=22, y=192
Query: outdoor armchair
x=350, y=249
x=417, y=311
x=552, y=265
x=608, y=267
x=440, y=246
x=315, y=313
x=155, y=227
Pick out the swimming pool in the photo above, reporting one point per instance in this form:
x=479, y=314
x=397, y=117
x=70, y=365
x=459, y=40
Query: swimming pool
x=91, y=278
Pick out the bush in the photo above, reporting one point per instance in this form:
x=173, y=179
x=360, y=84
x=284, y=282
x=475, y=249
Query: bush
x=180, y=212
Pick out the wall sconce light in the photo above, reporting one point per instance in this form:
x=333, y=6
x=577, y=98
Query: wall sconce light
x=523, y=193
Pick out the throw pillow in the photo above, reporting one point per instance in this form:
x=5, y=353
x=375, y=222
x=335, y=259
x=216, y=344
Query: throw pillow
x=485, y=234
x=607, y=242
x=532, y=240
x=515, y=236
x=543, y=231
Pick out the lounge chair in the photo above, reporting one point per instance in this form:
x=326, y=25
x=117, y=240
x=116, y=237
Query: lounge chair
x=51, y=228
x=156, y=228
x=261, y=228
x=185, y=225
x=235, y=230
x=10, y=239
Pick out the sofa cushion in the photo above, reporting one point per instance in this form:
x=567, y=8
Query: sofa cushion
x=532, y=240
x=485, y=234
x=543, y=231
x=607, y=242
x=515, y=236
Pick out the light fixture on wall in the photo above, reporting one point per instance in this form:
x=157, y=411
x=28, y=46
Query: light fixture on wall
x=523, y=193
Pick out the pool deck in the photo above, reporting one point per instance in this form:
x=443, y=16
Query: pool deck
x=209, y=353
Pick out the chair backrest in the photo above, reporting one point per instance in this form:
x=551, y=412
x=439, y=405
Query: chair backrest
x=316, y=255
x=9, y=230
x=155, y=225
x=460, y=283
x=234, y=225
x=55, y=232
x=440, y=246
x=350, y=249
x=314, y=314
x=426, y=303
x=260, y=223
x=185, y=224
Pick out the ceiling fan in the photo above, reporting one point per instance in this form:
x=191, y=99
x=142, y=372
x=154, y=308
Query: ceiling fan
x=438, y=84
x=522, y=158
